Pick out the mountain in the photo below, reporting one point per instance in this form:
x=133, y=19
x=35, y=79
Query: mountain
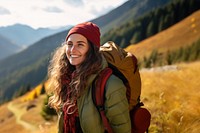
x=152, y=22
x=30, y=65
x=24, y=35
x=7, y=47
x=131, y=9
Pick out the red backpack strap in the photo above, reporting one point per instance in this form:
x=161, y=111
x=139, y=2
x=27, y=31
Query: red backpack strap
x=99, y=96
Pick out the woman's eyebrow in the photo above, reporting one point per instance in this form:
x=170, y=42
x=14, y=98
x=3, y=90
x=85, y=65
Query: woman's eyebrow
x=69, y=42
x=81, y=42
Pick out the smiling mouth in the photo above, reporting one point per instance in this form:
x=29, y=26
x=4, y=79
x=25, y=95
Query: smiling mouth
x=74, y=56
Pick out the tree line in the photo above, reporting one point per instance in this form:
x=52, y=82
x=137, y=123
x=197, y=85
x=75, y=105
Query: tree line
x=183, y=54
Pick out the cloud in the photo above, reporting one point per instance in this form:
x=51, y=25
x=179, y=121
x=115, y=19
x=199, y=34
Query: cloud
x=4, y=11
x=68, y=12
x=101, y=7
x=53, y=9
x=99, y=12
x=74, y=2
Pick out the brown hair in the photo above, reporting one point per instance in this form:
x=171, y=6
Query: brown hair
x=60, y=72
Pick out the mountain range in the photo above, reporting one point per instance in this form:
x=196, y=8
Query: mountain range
x=19, y=37
x=30, y=65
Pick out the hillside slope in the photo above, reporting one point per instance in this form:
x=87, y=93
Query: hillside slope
x=171, y=105
x=7, y=47
x=28, y=66
x=132, y=9
x=179, y=35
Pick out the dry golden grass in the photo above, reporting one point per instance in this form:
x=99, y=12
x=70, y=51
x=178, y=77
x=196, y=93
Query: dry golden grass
x=31, y=116
x=173, y=99
x=179, y=35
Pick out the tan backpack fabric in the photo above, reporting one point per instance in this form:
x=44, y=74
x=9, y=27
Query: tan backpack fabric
x=125, y=63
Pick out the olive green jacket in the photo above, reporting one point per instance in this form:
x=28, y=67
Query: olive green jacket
x=116, y=108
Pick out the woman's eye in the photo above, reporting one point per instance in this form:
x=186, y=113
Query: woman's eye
x=69, y=44
x=80, y=44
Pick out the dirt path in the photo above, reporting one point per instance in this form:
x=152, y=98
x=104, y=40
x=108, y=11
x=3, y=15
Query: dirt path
x=18, y=112
x=161, y=68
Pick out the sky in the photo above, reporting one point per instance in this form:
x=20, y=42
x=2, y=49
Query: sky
x=53, y=13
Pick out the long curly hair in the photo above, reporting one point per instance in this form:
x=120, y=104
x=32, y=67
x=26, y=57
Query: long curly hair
x=62, y=88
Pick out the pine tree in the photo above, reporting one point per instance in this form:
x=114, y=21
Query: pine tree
x=169, y=58
x=150, y=29
x=47, y=112
x=147, y=62
x=35, y=95
x=153, y=57
x=43, y=89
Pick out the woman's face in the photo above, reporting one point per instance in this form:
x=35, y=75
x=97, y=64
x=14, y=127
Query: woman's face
x=76, y=49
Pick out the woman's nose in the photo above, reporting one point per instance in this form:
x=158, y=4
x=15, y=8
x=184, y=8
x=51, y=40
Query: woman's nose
x=73, y=48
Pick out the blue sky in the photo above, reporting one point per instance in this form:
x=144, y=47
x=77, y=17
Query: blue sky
x=53, y=13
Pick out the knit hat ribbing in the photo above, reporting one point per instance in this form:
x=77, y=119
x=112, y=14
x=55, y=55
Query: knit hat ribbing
x=87, y=29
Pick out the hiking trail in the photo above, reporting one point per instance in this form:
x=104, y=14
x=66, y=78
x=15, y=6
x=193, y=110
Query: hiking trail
x=18, y=113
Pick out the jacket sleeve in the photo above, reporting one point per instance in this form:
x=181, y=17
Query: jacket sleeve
x=116, y=105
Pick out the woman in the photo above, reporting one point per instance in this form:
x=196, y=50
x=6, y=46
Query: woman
x=72, y=70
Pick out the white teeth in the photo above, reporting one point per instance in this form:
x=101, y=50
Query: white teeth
x=74, y=56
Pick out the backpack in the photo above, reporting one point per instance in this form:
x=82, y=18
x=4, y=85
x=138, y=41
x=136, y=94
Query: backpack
x=124, y=65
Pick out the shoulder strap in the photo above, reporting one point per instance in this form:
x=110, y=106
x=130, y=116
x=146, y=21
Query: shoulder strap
x=98, y=95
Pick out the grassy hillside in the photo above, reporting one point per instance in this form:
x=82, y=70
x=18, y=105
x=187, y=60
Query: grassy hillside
x=173, y=97
x=180, y=35
x=172, y=100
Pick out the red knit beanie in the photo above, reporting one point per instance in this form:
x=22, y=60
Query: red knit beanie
x=89, y=30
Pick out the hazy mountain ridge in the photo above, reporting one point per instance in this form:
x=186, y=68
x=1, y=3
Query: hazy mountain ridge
x=23, y=36
x=7, y=47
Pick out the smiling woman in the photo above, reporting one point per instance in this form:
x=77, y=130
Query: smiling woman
x=73, y=69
